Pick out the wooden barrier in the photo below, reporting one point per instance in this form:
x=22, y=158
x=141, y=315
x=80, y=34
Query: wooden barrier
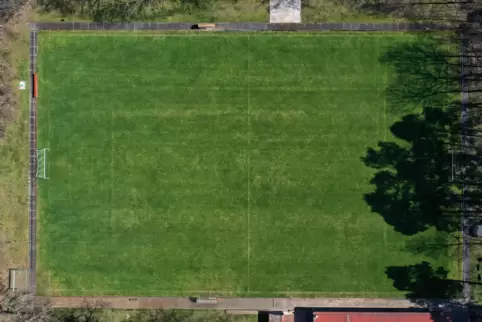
x=35, y=86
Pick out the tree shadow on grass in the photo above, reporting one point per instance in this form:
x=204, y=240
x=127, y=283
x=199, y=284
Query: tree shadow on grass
x=426, y=73
x=442, y=11
x=415, y=186
x=428, y=158
x=412, y=186
x=417, y=183
x=422, y=281
x=433, y=246
x=431, y=287
x=429, y=176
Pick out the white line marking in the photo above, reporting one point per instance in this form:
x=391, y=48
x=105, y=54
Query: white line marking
x=278, y=294
x=249, y=171
x=385, y=82
x=111, y=168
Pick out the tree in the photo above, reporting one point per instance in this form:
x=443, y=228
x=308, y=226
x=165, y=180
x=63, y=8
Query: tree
x=120, y=10
x=21, y=307
x=88, y=311
x=179, y=316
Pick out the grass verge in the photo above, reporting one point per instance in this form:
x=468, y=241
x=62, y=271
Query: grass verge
x=14, y=152
x=231, y=11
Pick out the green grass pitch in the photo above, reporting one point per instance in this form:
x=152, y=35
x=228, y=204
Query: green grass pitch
x=185, y=164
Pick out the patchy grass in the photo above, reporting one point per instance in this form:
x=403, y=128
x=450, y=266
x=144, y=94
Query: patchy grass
x=330, y=11
x=214, y=164
x=220, y=11
x=14, y=154
x=13, y=194
x=241, y=11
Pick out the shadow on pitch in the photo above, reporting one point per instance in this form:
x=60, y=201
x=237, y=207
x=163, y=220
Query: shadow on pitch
x=419, y=172
x=415, y=186
x=425, y=73
x=422, y=281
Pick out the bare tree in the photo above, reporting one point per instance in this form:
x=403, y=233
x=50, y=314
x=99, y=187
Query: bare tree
x=120, y=10
x=88, y=311
x=7, y=99
x=178, y=316
x=22, y=307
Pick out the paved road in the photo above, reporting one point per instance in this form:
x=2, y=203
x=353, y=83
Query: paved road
x=273, y=304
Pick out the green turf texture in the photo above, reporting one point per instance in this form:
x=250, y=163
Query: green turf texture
x=213, y=163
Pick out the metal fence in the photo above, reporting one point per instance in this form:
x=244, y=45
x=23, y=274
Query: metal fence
x=248, y=26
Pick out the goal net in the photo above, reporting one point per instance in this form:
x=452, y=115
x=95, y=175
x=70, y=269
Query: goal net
x=42, y=163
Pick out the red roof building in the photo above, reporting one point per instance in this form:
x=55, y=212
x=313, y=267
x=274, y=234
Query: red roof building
x=378, y=317
x=364, y=315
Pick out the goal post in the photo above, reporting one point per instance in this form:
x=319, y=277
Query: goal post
x=42, y=163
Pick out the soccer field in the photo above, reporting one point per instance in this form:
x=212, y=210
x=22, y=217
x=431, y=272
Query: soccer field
x=186, y=164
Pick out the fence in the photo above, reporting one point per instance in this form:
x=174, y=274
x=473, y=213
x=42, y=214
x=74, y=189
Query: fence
x=248, y=26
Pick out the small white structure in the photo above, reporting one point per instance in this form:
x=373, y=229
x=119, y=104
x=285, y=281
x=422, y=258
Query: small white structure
x=18, y=279
x=285, y=11
x=22, y=85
